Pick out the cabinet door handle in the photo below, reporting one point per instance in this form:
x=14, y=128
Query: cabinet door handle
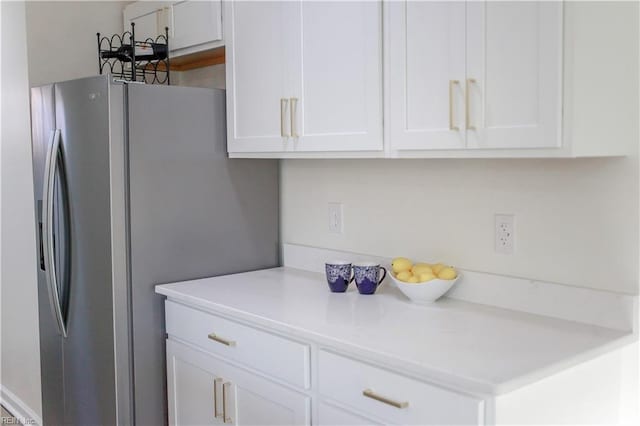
x=294, y=104
x=467, y=109
x=219, y=339
x=159, y=19
x=283, y=114
x=163, y=16
x=216, y=382
x=225, y=392
x=452, y=83
x=370, y=394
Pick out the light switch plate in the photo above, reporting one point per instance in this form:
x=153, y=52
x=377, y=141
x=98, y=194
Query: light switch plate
x=336, y=225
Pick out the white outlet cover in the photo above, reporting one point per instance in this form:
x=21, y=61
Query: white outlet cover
x=504, y=230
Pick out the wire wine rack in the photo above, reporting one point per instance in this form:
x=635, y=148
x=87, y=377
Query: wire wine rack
x=132, y=60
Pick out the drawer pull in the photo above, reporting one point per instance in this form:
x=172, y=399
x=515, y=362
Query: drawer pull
x=225, y=392
x=219, y=339
x=283, y=112
x=467, y=112
x=370, y=394
x=294, y=103
x=215, y=397
x=452, y=126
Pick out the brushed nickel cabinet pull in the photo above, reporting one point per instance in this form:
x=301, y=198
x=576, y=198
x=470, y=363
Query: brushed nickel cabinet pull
x=216, y=382
x=294, y=104
x=225, y=392
x=467, y=112
x=370, y=394
x=452, y=83
x=283, y=114
x=219, y=339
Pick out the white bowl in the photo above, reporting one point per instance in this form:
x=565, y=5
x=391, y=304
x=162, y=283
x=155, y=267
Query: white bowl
x=427, y=292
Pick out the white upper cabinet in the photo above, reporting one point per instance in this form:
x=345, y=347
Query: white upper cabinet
x=474, y=75
x=259, y=68
x=304, y=76
x=149, y=19
x=193, y=25
x=196, y=23
x=337, y=77
x=426, y=50
x=514, y=71
x=491, y=79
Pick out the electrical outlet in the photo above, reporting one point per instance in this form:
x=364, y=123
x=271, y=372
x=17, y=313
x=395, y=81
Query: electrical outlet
x=505, y=233
x=335, y=218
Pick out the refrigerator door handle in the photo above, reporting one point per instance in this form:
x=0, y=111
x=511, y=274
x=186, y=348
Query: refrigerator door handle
x=51, y=165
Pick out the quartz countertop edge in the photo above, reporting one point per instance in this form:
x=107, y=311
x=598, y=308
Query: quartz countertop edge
x=227, y=295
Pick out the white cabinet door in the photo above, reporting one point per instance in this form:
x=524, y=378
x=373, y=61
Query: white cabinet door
x=514, y=57
x=334, y=416
x=196, y=22
x=194, y=395
x=258, y=402
x=258, y=73
x=150, y=18
x=425, y=57
x=148, y=25
x=337, y=76
x=238, y=397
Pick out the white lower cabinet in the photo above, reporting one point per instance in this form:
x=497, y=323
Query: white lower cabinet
x=193, y=386
x=203, y=390
x=243, y=369
x=393, y=397
x=224, y=371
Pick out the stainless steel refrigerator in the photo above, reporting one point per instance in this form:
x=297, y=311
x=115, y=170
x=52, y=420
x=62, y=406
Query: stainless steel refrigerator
x=133, y=188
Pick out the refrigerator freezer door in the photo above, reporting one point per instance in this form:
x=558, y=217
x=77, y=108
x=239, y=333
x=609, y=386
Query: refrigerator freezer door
x=193, y=213
x=82, y=115
x=43, y=122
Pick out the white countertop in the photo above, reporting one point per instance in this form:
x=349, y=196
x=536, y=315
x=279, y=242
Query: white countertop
x=462, y=345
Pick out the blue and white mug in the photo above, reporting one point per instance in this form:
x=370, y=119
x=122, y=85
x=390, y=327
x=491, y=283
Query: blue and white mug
x=367, y=276
x=339, y=275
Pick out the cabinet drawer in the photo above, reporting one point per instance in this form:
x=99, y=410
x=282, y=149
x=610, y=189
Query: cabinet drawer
x=393, y=397
x=328, y=415
x=274, y=355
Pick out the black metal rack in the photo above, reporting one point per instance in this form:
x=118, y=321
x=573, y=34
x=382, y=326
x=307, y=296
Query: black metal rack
x=129, y=59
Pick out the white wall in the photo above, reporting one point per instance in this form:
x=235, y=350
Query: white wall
x=61, y=37
x=20, y=365
x=61, y=45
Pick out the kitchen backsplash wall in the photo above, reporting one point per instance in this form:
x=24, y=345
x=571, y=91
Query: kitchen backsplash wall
x=576, y=221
